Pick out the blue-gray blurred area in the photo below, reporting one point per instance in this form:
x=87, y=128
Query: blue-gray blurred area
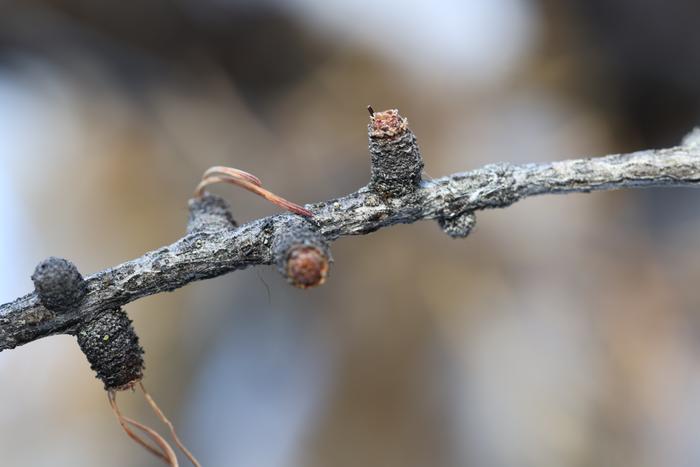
x=563, y=333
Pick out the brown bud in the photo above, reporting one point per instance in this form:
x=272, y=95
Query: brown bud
x=307, y=266
x=387, y=124
x=301, y=253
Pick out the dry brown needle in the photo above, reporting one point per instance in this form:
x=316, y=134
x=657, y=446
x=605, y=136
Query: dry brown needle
x=250, y=182
x=170, y=425
x=165, y=453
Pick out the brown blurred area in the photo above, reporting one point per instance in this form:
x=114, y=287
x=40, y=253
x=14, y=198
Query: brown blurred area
x=563, y=332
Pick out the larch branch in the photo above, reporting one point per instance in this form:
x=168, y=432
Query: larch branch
x=214, y=245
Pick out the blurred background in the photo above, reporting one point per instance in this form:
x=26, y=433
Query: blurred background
x=564, y=332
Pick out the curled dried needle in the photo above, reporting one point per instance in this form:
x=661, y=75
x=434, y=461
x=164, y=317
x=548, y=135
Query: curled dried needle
x=220, y=174
x=166, y=452
x=170, y=425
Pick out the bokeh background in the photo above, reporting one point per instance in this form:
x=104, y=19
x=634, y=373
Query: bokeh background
x=563, y=333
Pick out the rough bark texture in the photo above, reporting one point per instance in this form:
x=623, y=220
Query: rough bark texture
x=214, y=246
x=397, y=164
x=112, y=347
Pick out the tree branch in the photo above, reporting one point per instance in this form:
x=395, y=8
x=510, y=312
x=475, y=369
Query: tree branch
x=214, y=246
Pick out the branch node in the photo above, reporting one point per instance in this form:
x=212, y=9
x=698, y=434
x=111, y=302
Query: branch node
x=210, y=212
x=112, y=347
x=59, y=284
x=459, y=226
x=301, y=254
x=397, y=164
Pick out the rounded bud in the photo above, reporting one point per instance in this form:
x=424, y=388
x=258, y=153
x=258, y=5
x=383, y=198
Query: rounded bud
x=59, y=284
x=301, y=253
x=112, y=347
x=458, y=226
x=307, y=266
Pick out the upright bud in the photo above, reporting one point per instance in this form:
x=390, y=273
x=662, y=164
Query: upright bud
x=397, y=164
x=210, y=212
